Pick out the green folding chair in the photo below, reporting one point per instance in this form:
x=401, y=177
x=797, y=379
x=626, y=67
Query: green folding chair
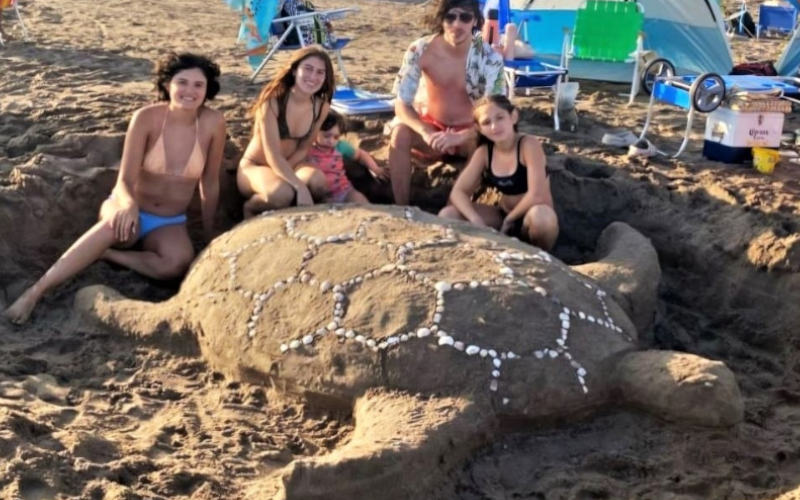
x=609, y=31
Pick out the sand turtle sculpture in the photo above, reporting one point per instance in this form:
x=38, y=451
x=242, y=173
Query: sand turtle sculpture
x=431, y=332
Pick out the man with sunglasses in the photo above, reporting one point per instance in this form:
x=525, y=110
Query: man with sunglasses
x=441, y=76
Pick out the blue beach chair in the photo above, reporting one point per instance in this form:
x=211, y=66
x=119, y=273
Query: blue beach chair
x=776, y=18
x=526, y=76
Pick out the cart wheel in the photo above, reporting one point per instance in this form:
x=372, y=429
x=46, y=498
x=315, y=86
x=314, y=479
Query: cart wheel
x=707, y=92
x=657, y=68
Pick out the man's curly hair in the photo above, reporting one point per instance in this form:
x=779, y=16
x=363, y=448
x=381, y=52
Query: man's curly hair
x=435, y=17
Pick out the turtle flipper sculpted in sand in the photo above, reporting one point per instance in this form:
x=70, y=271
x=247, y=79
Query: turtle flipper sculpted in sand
x=432, y=334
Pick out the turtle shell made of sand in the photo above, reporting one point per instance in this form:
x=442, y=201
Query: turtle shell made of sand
x=334, y=302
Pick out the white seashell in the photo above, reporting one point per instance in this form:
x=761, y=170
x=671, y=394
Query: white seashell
x=472, y=350
x=423, y=332
x=437, y=318
x=442, y=286
x=458, y=345
x=541, y=291
x=505, y=401
x=403, y=337
x=484, y=353
x=382, y=345
x=332, y=239
x=349, y=334
x=361, y=339
x=563, y=316
x=278, y=285
x=581, y=315
x=446, y=340
x=495, y=373
x=308, y=339
x=493, y=385
x=338, y=297
x=325, y=286
x=459, y=286
x=511, y=355
x=492, y=353
x=581, y=372
x=371, y=342
x=295, y=344
x=565, y=325
x=251, y=332
x=539, y=354
x=412, y=334
x=248, y=294
x=337, y=289
x=473, y=284
x=506, y=271
x=486, y=283
x=497, y=362
x=339, y=332
x=440, y=333
x=284, y=348
x=392, y=340
x=553, y=354
x=560, y=341
x=440, y=309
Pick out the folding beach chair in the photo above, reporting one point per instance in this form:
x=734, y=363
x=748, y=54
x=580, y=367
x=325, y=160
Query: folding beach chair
x=13, y=4
x=741, y=23
x=776, y=18
x=595, y=23
x=531, y=75
x=303, y=27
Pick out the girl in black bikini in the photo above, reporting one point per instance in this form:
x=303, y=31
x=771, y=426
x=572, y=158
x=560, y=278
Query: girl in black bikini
x=512, y=163
x=287, y=116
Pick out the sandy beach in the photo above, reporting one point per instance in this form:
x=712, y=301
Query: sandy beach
x=100, y=416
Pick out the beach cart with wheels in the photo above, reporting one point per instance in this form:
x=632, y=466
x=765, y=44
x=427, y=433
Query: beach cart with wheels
x=707, y=92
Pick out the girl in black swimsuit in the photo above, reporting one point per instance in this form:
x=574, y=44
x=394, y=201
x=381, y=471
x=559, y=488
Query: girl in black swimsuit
x=512, y=163
x=287, y=115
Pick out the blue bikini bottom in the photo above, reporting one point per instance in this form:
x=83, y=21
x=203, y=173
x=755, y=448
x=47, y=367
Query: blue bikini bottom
x=150, y=222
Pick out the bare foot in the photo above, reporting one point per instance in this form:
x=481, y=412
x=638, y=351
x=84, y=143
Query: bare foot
x=21, y=309
x=254, y=206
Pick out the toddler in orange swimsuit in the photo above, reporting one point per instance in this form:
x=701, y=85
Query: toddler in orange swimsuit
x=328, y=154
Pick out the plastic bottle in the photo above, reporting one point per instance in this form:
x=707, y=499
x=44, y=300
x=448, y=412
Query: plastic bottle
x=491, y=28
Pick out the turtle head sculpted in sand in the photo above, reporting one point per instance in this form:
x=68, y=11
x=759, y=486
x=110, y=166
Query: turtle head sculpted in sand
x=432, y=333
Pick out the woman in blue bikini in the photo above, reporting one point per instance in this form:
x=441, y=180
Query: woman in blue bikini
x=171, y=148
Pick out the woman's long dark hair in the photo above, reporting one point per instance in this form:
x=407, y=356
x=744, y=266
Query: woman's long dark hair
x=280, y=86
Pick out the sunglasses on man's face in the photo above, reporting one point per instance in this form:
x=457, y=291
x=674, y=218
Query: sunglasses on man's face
x=464, y=17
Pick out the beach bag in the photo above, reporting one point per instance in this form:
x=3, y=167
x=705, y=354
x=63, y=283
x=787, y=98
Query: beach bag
x=310, y=27
x=765, y=68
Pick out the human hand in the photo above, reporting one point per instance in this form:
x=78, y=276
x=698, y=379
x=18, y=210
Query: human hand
x=304, y=198
x=378, y=172
x=506, y=226
x=447, y=141
x=125, y=223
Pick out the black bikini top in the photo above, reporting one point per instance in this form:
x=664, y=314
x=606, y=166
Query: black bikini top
x=283, y=127
x=516, y=183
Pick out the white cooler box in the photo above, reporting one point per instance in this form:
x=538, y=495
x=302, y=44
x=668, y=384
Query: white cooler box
x=730, y=134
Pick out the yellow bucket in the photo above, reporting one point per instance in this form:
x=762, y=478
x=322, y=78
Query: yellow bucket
x=764, y=159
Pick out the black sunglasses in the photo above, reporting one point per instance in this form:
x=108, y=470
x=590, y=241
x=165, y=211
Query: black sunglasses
x=464, y=17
